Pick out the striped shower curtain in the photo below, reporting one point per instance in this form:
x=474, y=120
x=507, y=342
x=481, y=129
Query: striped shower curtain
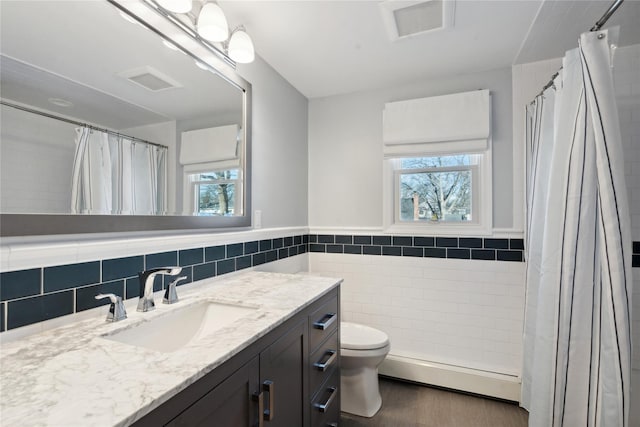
x=577, y=332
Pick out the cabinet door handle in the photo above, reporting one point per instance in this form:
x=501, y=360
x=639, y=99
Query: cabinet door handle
x=332, y=424
x=322, y=407
x=269, y=386
x=259, y=397
x=332, y=358
x=326, y=321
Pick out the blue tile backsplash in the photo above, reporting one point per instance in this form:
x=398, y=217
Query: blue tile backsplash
x=38, y=294
x=421, y=246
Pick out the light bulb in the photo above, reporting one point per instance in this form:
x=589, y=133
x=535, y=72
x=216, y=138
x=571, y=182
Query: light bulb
x=176, y=6
x=241, y=47
x=212, y=24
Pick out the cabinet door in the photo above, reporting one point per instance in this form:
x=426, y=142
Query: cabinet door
x=230, y=403
x=283, y=375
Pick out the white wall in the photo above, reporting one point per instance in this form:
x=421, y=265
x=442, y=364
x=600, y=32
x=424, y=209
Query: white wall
x=345, y=149
x=36, y=161
x=456, y=312
x=459, y=312
x=279, y=147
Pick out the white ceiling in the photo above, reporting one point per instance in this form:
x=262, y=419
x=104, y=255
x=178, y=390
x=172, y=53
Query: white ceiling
x=328, y=47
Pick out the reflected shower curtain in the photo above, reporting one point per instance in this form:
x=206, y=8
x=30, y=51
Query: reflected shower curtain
x=116, y=175
x=139, y=178
x=91, y=177
x=577, y=337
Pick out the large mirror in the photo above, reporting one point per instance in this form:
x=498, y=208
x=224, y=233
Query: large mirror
x=114, y=120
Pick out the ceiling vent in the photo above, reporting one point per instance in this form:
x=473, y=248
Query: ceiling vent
x=410, y=18
x=150, y=79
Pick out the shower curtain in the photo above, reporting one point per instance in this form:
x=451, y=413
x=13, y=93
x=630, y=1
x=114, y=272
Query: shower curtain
x=91, y=177
x=117, y=175
x=577, y=337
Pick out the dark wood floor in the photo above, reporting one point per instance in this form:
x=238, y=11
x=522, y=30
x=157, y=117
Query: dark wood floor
x=411, y=405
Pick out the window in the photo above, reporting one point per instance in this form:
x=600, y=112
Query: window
x=437, y=167
x=436, y=188
x=215, y=193
x=449, y=193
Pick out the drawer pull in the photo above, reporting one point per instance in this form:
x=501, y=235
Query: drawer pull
x=333, y=355
x=332, y=424
x=259, y=397
x=322, y=407
x=268, y=386
x=326, y=321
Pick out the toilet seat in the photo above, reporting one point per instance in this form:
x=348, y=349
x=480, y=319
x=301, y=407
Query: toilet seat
x=360, y=337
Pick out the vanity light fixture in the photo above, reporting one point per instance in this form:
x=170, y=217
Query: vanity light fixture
x=176, y=6
x=240, y=46
x=212, y=24
x=205, y=19
x=170, y=45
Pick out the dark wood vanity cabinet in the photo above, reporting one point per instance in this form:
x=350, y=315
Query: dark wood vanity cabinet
x=230, y=403
x=288, y=378
x=324, y=361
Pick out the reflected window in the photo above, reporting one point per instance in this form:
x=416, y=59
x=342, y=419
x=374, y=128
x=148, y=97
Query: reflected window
x=216, y=192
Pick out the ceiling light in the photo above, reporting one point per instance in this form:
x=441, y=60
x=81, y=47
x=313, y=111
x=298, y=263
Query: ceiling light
x=212, y=24
x=240, y=47
x=176, y=6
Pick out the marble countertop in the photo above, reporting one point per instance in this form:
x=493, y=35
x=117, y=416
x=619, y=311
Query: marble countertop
x=73, y=376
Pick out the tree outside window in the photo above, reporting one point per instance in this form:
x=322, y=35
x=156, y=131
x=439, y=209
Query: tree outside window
x=215, y=192
x=436, y=188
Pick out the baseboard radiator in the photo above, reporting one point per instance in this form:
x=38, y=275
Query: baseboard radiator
x=491, y=384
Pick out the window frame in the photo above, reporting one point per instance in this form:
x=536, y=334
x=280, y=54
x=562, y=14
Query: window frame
x=482, y=200
x=192, y=196
x=473, y=168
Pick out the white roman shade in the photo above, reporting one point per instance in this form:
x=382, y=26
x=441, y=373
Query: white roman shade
x=211, y=149
x=454, y=123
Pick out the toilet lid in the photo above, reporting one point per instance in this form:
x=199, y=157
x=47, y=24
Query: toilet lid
x=360, y=337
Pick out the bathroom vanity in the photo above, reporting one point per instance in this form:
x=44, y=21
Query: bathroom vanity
x=268, y=356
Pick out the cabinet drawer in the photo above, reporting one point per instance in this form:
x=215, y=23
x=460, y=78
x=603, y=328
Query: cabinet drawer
x=323, y=322
x=325, y=406
x=323, y=361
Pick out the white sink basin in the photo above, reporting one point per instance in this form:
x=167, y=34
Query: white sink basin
x=182, y=326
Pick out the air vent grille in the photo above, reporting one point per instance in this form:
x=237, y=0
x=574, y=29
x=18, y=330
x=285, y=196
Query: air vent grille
x=150, y=79
x=418, y=18
x=408, y=18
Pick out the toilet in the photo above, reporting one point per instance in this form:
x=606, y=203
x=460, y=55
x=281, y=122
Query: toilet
x=362, y=350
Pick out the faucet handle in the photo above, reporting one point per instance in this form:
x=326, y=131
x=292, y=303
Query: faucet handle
x=170, y=295
x=116, y=309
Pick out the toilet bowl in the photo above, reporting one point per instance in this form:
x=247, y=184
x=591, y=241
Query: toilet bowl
x=362, y=350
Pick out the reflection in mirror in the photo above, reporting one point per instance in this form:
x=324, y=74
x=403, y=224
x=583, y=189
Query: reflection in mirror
x=102, y=116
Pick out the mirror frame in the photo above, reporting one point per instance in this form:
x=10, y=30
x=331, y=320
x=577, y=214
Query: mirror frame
x=15, y=225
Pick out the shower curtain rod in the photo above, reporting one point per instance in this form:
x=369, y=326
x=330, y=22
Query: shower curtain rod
x=603, y=20
x=73, y=122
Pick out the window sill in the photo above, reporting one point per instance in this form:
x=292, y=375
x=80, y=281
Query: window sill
x=440, y=229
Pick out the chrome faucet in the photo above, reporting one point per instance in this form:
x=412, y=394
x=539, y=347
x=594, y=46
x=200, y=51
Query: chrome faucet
x=170, y=294
x=116, y=309
x=145, y=303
